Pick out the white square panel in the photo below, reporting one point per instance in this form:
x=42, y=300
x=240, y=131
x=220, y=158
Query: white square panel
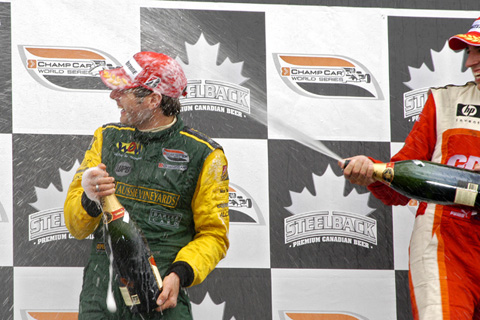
x=106, y=26
x=249, y=214
x=6, y=202
x=359, y=294
x=338, y=34
x=46, y=291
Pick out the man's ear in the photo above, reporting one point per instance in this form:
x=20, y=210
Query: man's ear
x=154, y=100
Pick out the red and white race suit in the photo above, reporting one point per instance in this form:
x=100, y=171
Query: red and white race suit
x=445, y=244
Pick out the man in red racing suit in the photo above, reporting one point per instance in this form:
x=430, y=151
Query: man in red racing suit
x=445, y=244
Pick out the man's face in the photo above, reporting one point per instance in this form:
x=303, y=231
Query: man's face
x=134, y=111
x=473, y=62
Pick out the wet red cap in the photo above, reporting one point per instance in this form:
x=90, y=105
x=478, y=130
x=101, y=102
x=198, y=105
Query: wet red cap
x=472, y=37
x=151, y=70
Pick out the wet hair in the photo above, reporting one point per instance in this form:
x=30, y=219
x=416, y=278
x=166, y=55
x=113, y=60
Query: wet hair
x=170, y=106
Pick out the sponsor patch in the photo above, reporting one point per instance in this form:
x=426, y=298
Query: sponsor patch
x=468, y=110
x=175, y=155
x=165, y=218
x=153, y=82
x=100, y=247
x=133, y=148
x=142, y=194
x=123, y=169
x=179, y=167
x=225, y=173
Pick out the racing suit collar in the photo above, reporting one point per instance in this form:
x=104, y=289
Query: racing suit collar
x=145, y=137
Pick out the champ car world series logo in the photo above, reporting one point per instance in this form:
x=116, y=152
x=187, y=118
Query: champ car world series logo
x=243, y=208
x=326, y=76
x=207, y=309
x=342, y=220
x=66, y=68
x=48, y=315
x=213, y=87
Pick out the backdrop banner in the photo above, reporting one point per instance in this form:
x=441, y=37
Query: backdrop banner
x=273, y=83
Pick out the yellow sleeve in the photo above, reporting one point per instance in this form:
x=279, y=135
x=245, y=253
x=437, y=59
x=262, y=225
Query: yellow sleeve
x=210, y=214
x=78, y=221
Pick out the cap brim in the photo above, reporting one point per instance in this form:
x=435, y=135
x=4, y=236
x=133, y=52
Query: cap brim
x=117, y=79
x=461, y=41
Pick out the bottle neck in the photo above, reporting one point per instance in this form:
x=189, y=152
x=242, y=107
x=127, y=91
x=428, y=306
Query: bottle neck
x=383, y=172
x=112, y=208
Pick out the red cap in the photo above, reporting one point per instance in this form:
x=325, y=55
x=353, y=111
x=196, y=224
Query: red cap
x=472, y=37
x=151, y=70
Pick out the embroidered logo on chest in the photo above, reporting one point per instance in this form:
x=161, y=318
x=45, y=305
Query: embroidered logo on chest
x=175, y=155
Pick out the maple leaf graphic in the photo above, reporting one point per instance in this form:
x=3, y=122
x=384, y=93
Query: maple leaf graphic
x=51, y=197
x=202, y=64
x=3, y=214
x=447, y=70
x=208, y=310
x=329, y=196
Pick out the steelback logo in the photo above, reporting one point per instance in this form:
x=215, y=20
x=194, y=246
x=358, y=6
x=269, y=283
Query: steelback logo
x=48, y=315
x=318, y=315
x=448, y=69
x=342, y=220
x=67, y=68
x=213, y=87
x=48, y=223
x=242, y=207
x=326, y=76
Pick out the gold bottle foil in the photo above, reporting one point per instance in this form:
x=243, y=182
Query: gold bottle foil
x=383, y=172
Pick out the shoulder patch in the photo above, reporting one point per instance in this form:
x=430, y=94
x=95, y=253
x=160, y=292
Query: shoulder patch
x=201, y=137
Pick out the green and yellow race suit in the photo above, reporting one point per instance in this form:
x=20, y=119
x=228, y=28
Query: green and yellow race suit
x=174, y=184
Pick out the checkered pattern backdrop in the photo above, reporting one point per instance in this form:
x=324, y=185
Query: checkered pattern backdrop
x=304, y=243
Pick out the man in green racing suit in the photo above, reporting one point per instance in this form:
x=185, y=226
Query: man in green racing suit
x=172, y=180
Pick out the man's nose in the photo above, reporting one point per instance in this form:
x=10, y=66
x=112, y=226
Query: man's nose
x=115, y=94
x=472, y=59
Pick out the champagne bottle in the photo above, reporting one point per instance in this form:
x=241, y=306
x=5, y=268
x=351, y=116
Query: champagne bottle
x=430, y=182
x=139, y=280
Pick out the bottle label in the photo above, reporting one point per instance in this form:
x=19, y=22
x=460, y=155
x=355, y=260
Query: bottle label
x=467, y=196
x=156, y=273
x=389, y=172
x=130, y=300
x=117, y=214
x=114, y=215
x=126, y=296
x=383, y=172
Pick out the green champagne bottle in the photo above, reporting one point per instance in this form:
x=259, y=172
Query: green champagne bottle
x=430, y=182
x=139, y=280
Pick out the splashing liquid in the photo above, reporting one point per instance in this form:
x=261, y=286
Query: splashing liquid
x=296, y=134
x=111, y=305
